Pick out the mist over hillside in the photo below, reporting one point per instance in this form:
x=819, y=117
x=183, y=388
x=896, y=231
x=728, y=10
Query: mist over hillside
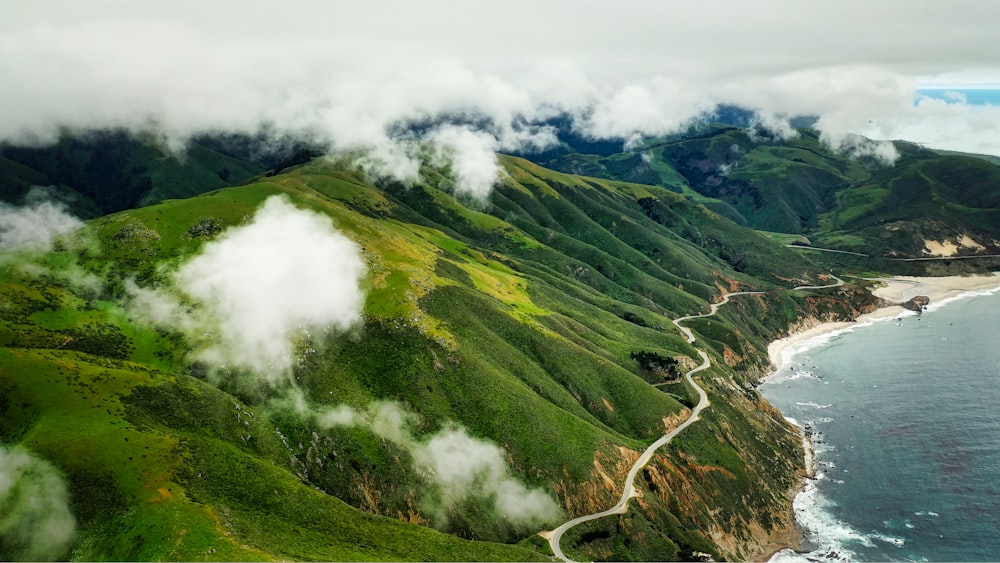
x=402, y=281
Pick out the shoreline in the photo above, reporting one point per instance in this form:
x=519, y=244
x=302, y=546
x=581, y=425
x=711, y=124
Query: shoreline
x=895, y=291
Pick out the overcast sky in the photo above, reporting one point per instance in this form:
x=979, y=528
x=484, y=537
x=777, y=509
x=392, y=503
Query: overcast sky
x=342, y=71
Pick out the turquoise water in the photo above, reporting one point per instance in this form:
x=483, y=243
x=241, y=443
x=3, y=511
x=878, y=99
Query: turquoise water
x=906, y=422
x=974, y=97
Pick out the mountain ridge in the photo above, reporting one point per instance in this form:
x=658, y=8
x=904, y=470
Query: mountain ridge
x=501, y=319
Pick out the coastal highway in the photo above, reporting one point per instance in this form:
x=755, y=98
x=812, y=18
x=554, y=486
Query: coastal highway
x=712, y=310
x=630, y=490
x=837, y=283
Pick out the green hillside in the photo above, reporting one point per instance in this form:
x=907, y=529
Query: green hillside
x=516, y=324
x=107, y=171
x=801, y=187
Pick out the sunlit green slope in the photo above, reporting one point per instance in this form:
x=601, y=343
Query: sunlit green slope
x=517, y=320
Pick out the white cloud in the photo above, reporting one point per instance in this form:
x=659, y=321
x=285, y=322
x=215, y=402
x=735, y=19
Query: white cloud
x=36, y=225
x=462, y=466
x=770, y=126
x=259, y=287
x=945, y=124
x=857, y=146
x=343, y=74
x=472, y=157
x=36, y=523
x=457, y=465
x=659, y=107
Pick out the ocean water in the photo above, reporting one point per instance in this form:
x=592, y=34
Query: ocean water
x=971, y=96
x=905, y=416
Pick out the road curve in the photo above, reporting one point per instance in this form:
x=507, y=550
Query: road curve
x=837, y=283
x=629, y=490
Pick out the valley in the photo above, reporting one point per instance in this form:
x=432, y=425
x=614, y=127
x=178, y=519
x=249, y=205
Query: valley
x=468, y=326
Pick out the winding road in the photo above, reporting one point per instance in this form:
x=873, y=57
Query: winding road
x=630, y=490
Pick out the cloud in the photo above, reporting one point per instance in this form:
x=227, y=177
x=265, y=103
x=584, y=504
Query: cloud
x=36, y=225
x=344, y=77
x=458, y=466
x=857, y=146
x=258, y=288
x=945, y=124
x=462, y=466
x=766, y=126
x=35, y=519
x=472, y=157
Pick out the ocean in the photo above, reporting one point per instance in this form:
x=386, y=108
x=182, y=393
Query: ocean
x=905, y=416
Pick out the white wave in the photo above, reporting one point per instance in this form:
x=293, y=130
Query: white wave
x=814, y=405
x=886, y=538
x=934, y=306
x=831, y=536
x=797, y=348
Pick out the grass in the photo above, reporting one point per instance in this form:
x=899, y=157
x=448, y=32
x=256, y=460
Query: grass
x=516, y=320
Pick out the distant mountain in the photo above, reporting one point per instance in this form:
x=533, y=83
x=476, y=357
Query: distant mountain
x=923, y=201
x=105, y=171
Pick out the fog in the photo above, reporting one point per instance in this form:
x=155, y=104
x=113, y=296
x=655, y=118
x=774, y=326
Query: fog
x=36, y=225
x=343, y=75
x=458, y=466
x=35, y=520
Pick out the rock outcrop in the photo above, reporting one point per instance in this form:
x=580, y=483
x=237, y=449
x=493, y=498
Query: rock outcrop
x=917, y=303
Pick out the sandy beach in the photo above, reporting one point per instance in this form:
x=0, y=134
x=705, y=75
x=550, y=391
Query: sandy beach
x=897, y=290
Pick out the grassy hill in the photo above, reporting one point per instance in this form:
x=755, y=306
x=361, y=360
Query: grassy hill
x=107, y=171
x=800, y=186
x=517, y=323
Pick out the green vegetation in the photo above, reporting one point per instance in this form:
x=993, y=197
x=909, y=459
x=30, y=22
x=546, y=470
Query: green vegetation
x=537, y=323
x=801, y=187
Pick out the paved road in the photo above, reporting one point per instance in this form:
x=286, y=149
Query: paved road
x=801, y=247
x=629, y=490
x=944, y=258
x=921, y=259
x=837, y=283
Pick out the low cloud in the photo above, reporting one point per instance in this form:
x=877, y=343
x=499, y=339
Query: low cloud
x=471, y=156
x=857, y=146
x=951, y=124
x=345, y=78
x=766, y=126
x=250, y=295
x=458, y=466
x=35, y=519
x=37, y=224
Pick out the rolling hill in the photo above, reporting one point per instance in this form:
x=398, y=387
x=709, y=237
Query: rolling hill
x=522, y=329
x=924, y=204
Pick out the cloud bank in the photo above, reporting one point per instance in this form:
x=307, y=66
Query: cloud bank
x=35, y=520
x=458, y=466
x=345, y=75
x=258, y=288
